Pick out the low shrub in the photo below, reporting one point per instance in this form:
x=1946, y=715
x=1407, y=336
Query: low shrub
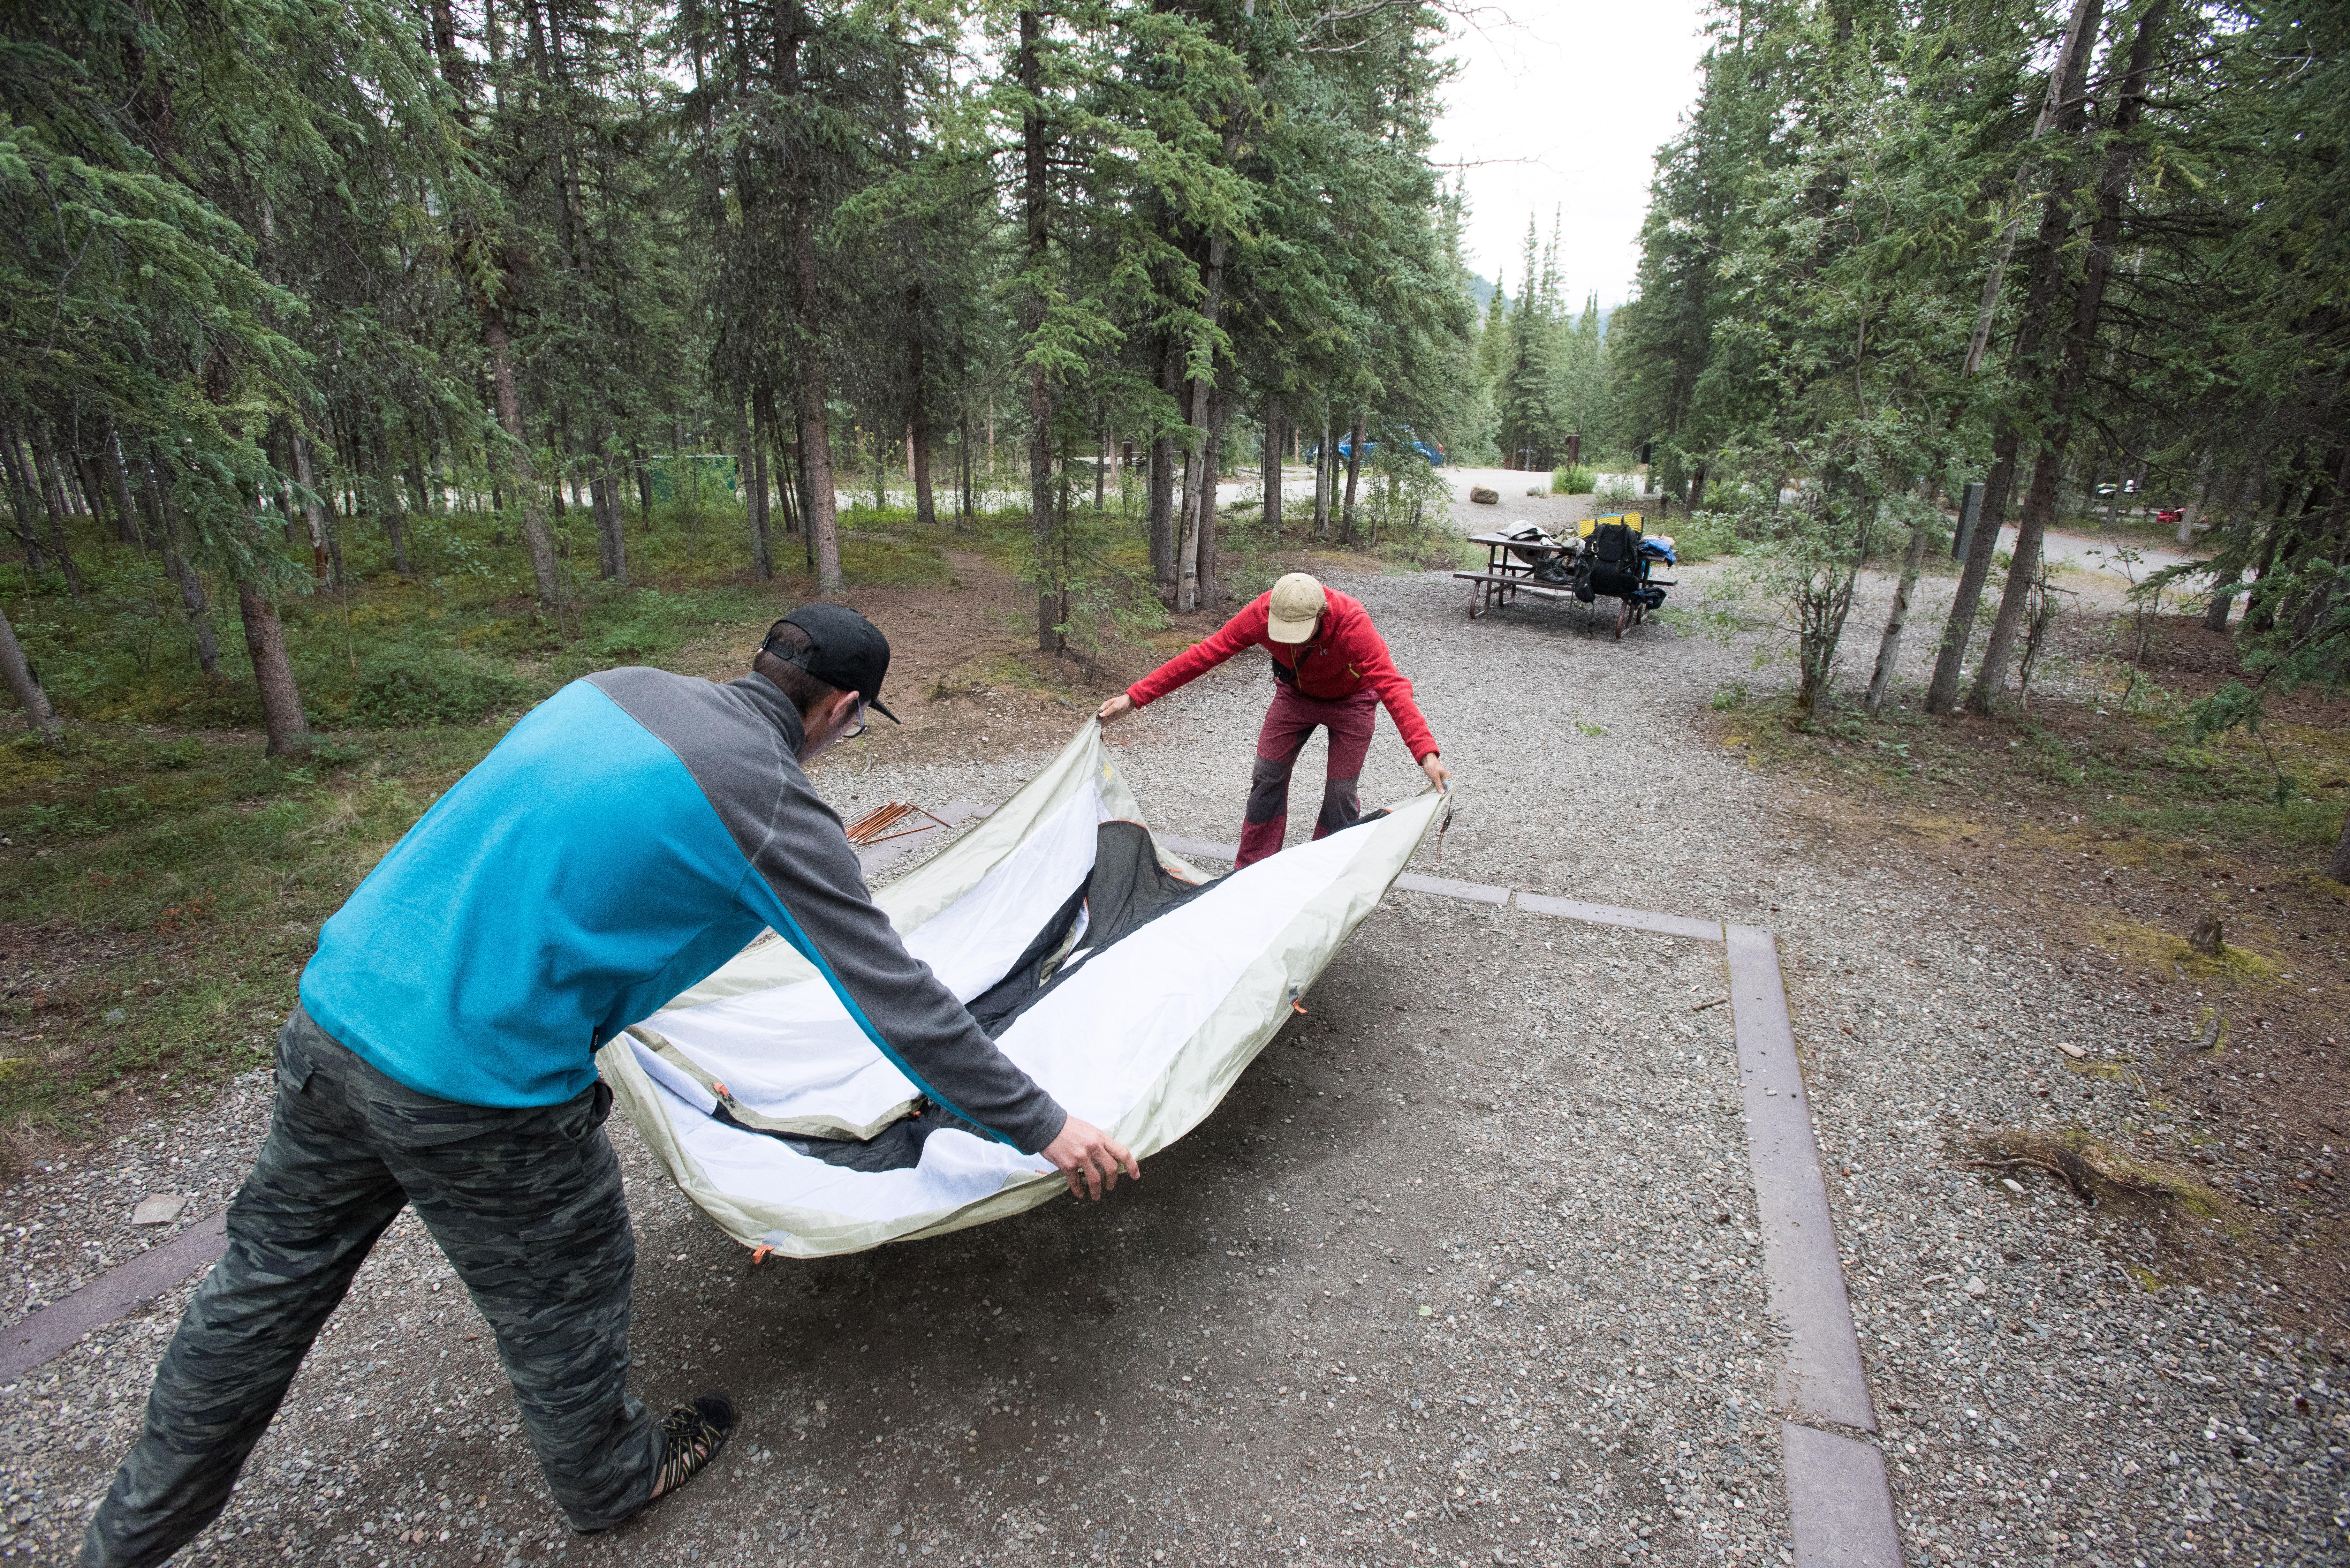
x=400, y=685
x=1706, y=535
x=1573, y=478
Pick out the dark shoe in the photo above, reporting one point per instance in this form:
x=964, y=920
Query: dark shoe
x=692, y=1437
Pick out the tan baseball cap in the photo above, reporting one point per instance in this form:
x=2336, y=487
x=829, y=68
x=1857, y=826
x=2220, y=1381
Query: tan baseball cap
x=1298, y=602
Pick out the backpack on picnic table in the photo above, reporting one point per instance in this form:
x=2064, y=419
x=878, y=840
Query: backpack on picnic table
x=1610, y=561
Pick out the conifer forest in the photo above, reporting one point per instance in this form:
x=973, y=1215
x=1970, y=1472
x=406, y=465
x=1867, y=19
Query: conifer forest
x=301, y=295
x=370, y=367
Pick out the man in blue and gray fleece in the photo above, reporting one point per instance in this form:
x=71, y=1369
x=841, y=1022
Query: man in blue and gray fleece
x=629, y=835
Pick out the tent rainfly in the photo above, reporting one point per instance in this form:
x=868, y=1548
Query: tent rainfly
x=1129, y=985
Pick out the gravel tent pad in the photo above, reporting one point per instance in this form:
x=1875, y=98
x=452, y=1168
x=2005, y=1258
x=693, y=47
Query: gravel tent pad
x=1016, y=1394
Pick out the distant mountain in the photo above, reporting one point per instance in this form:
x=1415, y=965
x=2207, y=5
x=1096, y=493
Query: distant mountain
x=1482, y=288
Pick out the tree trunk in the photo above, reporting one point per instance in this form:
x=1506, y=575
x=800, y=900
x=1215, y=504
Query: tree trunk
x=39, y=717
x=816, y=438
x=265, y=640
x=799, y=460
x=101, y=505
x=1353, y=468
x=1187, y=538
x=2058, y=104
x=963, y=465
x=388, y=503
x=1273, y=465
x=2280, y=552
x=2039, y=506
x=23, y=501
x=1101, y=467
x=192, y=586
x=2040, y=502
x=1326, y=457
x=763, y=559
x=779, y=459
x=1034, y=194
x=311, y=511
x=1201, y=458
x=644, y=477
x=522, y=485
x=1159, y=506
x=1219, y=403
x=2331, y=541
x=117, y=483
x=1040, y=498
x=917, y=435
x=2067, y=101
x=2243, y=514
x=2194, y=507
x=2215, y=615
x=1158, y=512
x=1888, y=651
x=53, y=503
x=611, y=538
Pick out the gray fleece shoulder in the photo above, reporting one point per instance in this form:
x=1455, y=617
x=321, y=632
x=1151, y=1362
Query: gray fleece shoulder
x=740, y=743
x=741, y=748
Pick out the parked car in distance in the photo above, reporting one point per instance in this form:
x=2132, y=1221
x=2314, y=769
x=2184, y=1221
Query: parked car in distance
x=2168, y=514
x=1429, y=450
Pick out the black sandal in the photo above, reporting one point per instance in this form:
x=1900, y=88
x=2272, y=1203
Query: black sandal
x=692, y=1437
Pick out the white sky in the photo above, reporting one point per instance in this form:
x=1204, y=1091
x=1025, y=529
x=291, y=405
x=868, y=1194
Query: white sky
x=1563, y=103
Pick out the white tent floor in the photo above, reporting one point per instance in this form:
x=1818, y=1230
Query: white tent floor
x=1141, y=1038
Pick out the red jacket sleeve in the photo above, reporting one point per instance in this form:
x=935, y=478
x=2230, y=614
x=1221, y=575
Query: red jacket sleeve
x=1367, y=651
x=1245, y=630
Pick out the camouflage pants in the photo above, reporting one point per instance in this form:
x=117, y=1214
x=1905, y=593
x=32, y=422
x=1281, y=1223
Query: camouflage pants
x=526, y=1204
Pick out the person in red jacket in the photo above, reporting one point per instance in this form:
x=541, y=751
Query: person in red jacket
x=1329, y=667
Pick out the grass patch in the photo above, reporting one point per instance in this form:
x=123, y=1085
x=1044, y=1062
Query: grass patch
x=2158, y=949
x=160, y=905
x=2133, y=772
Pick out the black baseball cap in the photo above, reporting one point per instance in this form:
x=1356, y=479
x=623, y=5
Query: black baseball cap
x=845, y=651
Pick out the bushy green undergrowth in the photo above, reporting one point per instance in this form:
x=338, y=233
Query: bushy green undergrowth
x=1702, y=538
x=1573, y=478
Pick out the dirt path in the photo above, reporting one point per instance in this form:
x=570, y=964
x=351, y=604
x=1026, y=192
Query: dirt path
x=1464, y=1270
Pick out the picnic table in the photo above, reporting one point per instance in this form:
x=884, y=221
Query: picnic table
x=1508, y=572
x=1511, y=570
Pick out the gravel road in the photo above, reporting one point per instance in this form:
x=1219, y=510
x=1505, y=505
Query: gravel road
x=1463, y=1272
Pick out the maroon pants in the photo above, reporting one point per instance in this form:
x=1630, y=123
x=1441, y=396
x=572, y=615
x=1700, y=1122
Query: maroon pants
x=1287, y=723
